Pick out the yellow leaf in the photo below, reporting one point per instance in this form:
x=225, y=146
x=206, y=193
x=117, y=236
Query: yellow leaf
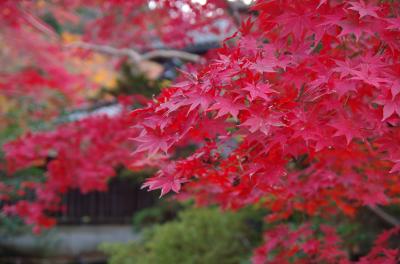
x=69, y=37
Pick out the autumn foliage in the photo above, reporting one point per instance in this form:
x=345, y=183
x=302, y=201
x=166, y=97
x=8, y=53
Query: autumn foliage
x=46, y=72
x=299, y=112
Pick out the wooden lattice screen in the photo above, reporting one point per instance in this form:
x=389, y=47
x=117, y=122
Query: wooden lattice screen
x=116, y=206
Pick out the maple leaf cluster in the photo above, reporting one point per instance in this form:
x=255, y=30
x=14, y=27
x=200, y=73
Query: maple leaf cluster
x=80, y=155
x=298, y=113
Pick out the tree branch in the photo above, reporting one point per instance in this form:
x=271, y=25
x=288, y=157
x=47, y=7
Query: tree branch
x=233, y=11
x=167, y=54
x=134, y=55
x=130, y=53
x=383, y=215
x=38, y=25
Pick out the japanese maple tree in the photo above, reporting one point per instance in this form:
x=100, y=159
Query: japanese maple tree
x=297, y=112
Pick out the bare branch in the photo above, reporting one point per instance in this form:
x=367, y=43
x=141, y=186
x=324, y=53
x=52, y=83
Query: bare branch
x=233, y=11
x=130, y=53
x=39, y=25
x=167, y=54
x=384, y=216
x=134, y=55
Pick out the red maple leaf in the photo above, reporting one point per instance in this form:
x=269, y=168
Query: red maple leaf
x=364, y=9
x=260, y=90
x=166, y=179
x=151, y=142
x=255, y=123
x=225, y=106
x=345, y=127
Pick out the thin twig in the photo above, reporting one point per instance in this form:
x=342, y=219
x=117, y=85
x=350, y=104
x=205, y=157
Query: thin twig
x=384, y=216
x=37, y=24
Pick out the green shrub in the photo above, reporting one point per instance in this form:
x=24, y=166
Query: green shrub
x=160, y=213
x=198, y=236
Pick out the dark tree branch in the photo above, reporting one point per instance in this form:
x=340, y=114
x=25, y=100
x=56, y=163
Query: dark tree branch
x=130, y=53
x=167, y=54
x=233, y=11
x=135, y=56
x=384, y=216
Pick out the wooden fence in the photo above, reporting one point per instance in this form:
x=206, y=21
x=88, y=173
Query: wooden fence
x=116, y=206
